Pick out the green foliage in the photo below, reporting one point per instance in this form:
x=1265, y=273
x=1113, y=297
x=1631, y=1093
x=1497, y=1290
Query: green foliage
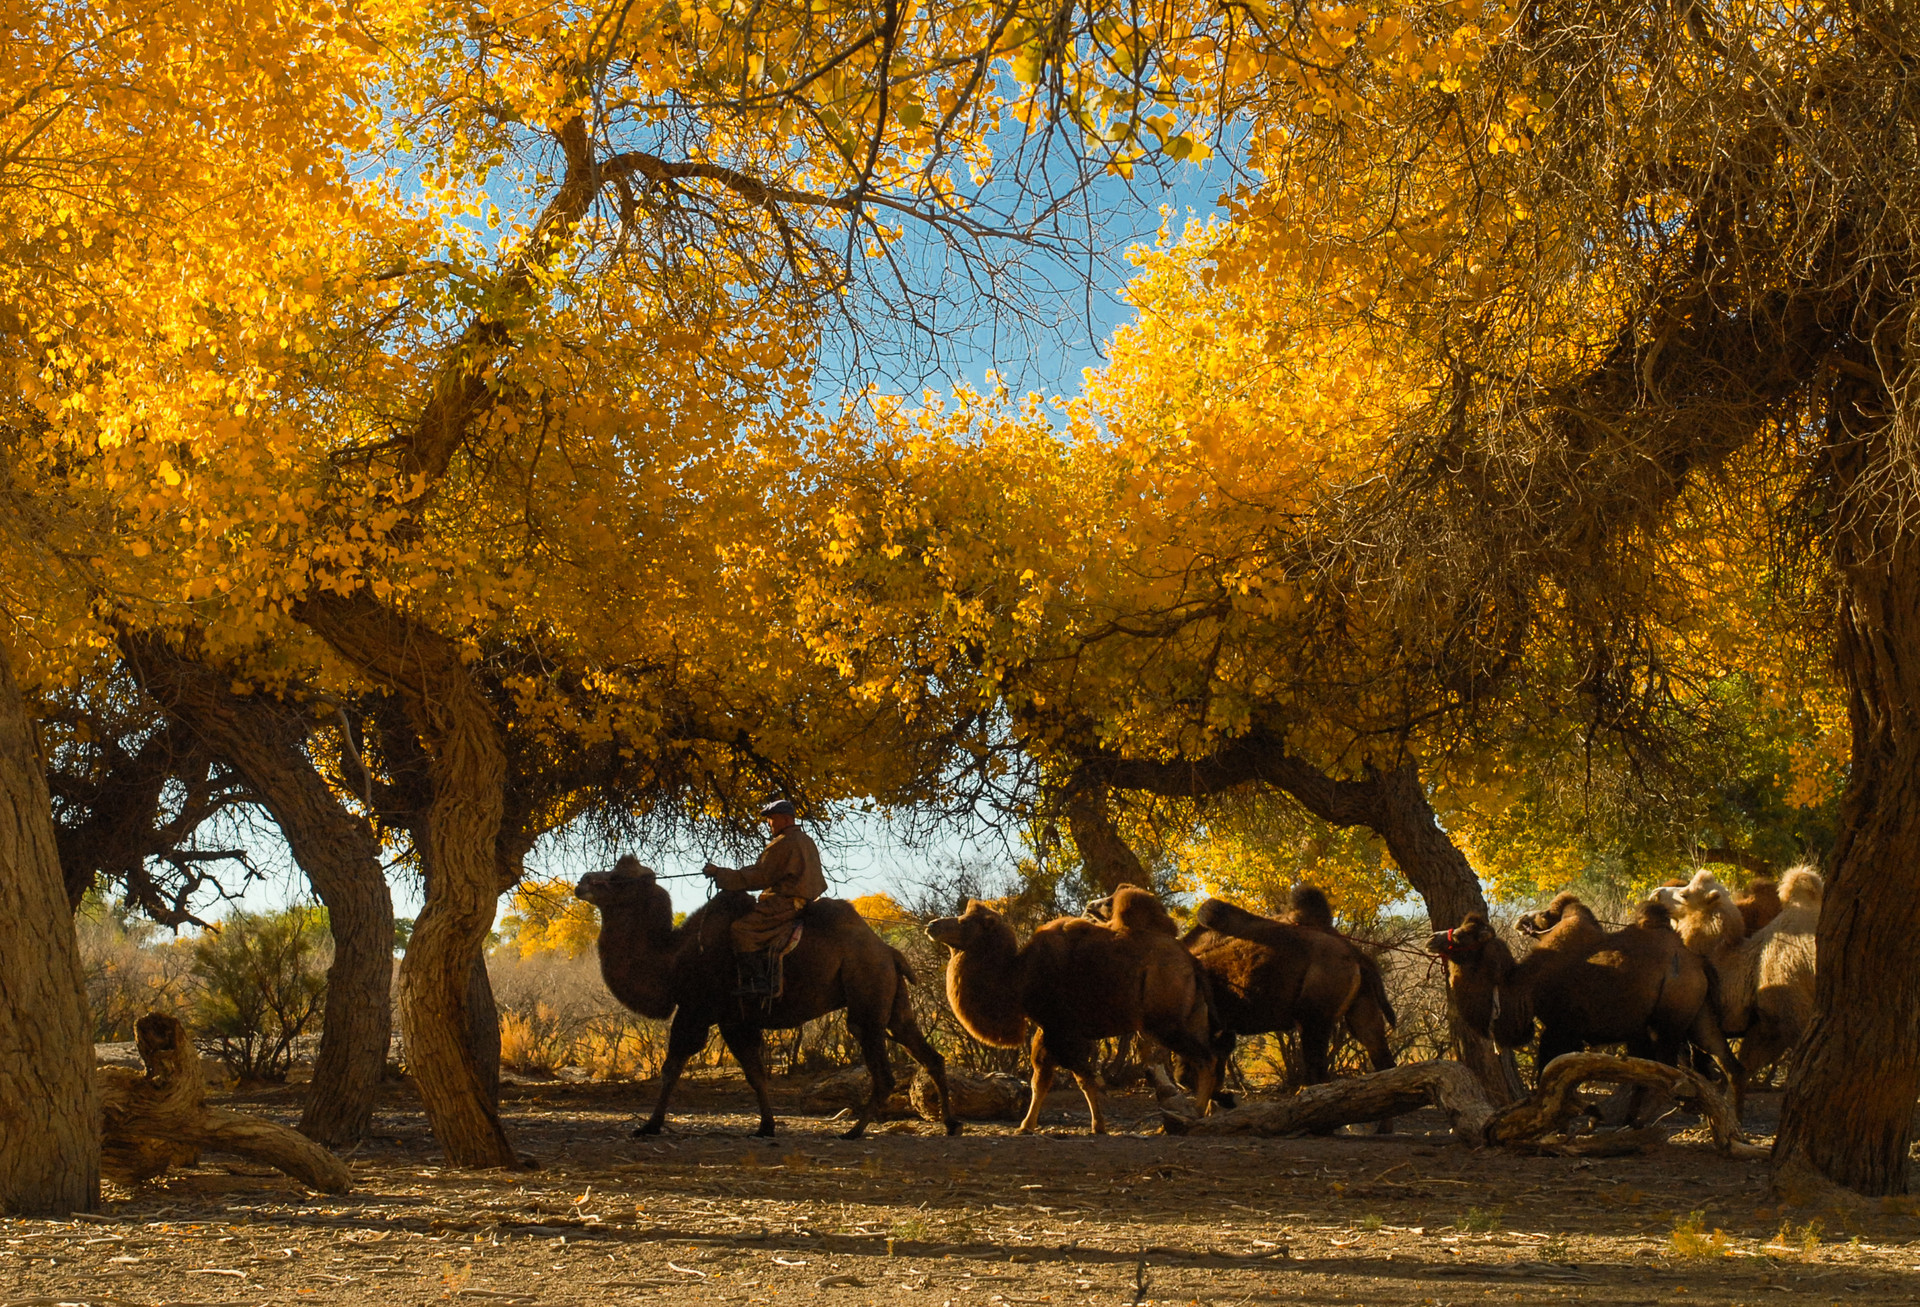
x=263, y=982
x=1480, y=1220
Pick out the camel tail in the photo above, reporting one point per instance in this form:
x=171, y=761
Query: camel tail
x=904, y=967
x=1376, y=986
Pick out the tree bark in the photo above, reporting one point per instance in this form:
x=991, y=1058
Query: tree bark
x=467, y=777
x=1106, y=860
x=49, y=1110
x=1850, y=1097
x=265, y=742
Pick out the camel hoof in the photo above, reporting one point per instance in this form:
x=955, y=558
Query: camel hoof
x=765, y=1131
x=953, y=1127
x=650, y=1128
x=857, y=1132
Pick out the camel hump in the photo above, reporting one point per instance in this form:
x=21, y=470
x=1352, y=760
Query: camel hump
x=1802, y=887
x=1135, y=909
x=1312, y=907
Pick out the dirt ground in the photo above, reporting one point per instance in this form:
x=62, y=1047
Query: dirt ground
x=707, y=1214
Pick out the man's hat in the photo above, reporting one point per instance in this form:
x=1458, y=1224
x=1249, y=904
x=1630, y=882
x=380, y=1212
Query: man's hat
x=779, y=808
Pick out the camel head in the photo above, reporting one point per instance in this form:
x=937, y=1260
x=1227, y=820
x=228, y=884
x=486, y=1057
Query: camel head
x=1564, y=904
x=1467, y=942
x=628, y=885
x=1478, y=967
x=978, y=928
x=1705, y=893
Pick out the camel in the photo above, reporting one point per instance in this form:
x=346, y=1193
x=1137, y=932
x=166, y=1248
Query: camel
x=1764, y=980
x=1273, y=974
x=687, y=973
x=1078, y=981
x=1759, y=903
x=1584, y=985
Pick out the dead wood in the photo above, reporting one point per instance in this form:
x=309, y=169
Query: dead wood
x=1444, y=1084
x=997, y=1097
x=1557, y=1099
x=160, y=1119
x=1535, y=1124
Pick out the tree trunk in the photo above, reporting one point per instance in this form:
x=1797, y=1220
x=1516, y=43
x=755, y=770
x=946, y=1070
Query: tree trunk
x=1445, y=881
x=1850, y=1097
x=1106, y=860
x=265, y=742
x=49, y=1110
x=458, y=856
x=483, y=1028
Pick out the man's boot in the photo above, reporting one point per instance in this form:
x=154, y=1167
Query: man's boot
x=755, y=974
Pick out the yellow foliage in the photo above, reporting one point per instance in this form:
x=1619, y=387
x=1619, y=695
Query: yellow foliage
x=543, y=916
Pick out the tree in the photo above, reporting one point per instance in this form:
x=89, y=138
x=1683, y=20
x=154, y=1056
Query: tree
x=1630, y=254
x=49, y=1134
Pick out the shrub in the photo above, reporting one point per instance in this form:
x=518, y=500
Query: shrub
x=129, y=970
x=262, y=979
x=555, y=1012
x=1690, y=1238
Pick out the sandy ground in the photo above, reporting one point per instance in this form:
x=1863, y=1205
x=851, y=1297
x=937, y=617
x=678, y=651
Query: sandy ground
x=706, y=1214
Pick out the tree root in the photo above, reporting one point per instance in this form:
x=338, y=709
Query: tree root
x=160, y=1119
x=1534, y=1124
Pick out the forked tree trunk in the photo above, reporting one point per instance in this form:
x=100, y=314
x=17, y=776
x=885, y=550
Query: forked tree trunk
x=338, y=851
x=1850, y=1097
x=467, y=768
x=49, y=1110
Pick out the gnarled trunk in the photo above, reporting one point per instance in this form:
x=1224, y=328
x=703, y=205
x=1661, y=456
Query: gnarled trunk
x=458, y=855
x=265, y=742
x=49, y=1110
x=1850, y=1098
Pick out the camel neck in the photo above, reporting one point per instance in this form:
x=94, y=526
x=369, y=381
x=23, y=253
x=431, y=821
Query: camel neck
x=636, y=958
x=983, y=987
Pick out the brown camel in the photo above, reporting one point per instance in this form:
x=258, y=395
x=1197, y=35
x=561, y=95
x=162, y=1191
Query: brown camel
x=1078, y=981
x=1583, y=985
x=1759, y=903
x=687, y=973
x=1763, y=981
x=1270, y=975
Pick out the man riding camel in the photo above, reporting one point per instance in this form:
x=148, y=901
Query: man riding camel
x=788, y=878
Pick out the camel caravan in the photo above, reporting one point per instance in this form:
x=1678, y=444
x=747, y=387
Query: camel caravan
x=1695, y=967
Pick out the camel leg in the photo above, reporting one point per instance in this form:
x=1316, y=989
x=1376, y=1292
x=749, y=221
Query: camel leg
x=1188, y=1070
x=1316, y=1038
x=744, y=1041
x=686, y=1037
x=1090, y=1088
x=906, y=1032
x=873, y=1052
x=1369, y=1025
x=1042, y=1082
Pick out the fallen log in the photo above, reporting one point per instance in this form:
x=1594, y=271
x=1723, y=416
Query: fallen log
x=1534, y=1124
x=1381, y=1096
x=158, y=1119
x=996, y=1097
